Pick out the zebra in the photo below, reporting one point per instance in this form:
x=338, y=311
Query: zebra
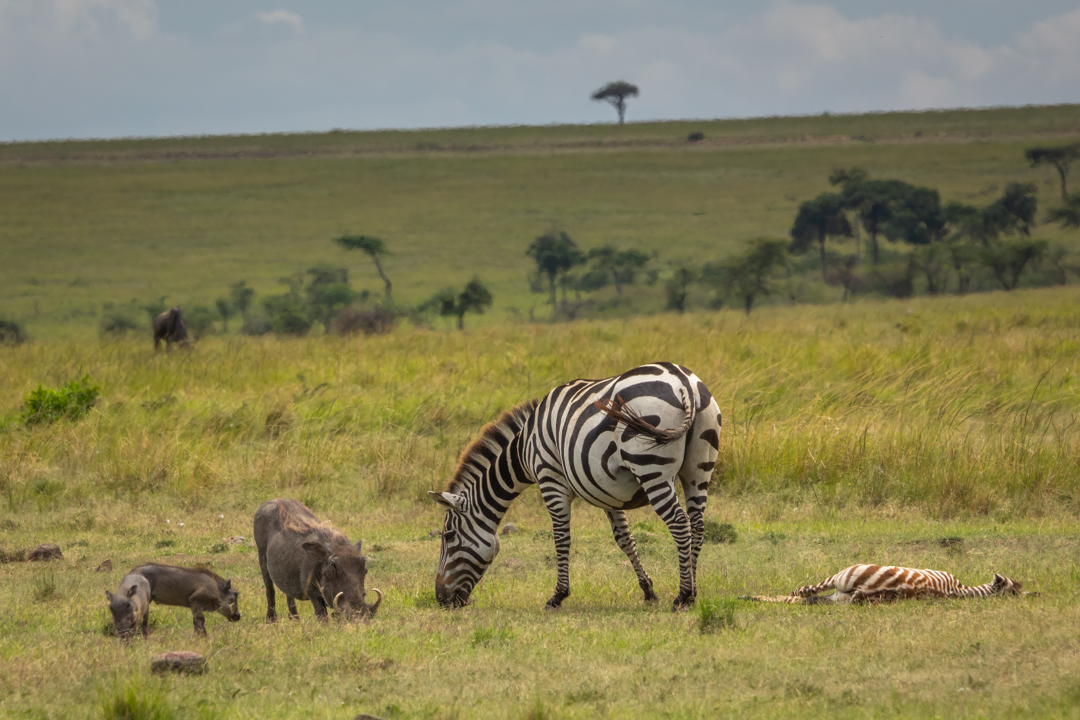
x=886, y=583
x=571, y=446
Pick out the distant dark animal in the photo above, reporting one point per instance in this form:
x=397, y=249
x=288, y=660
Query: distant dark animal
x=886, y=583
x=619, y=443
x=169, y=326
x=197, y=588
x=130, y=606
x=309, y=560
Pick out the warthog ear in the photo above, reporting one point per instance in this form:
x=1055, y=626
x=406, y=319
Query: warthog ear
x=359, y=546
x=108, y=596
x=132, y=590
x=451, y=501
x=225, y=586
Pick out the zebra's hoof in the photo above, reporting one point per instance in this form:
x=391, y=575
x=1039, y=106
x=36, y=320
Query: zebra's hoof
x=682, y=604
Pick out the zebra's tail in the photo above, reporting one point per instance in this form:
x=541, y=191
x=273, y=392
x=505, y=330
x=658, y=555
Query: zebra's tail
x=619, y=411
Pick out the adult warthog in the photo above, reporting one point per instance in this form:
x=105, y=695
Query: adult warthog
x=197, y=588
x=169, y=326
x=309, y=560
x=130, y=606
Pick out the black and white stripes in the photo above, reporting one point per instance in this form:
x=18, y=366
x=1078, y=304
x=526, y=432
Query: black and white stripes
x=886, y=583
x=618, y=443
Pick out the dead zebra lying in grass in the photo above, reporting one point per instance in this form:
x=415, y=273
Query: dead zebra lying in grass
x=886, y=583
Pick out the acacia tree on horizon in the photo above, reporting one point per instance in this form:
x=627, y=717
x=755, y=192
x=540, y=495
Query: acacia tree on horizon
x=616, y=94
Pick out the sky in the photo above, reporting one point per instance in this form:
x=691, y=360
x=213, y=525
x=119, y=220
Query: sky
x=125, y=68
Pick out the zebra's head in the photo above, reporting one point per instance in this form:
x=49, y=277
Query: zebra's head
x=469, y=545
x=1004, y=586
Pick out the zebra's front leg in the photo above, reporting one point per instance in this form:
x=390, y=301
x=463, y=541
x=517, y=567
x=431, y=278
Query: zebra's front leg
x=625, y=540
x=558, y=505
x=665, y=502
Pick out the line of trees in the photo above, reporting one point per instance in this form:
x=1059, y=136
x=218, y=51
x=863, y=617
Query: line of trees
x=905, y=240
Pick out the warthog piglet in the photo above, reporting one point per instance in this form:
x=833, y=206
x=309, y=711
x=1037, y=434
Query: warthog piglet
x=197, y=588
x=130, y=606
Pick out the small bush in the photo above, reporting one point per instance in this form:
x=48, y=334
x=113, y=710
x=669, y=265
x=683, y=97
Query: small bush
x=256, y=325
x=200, y=321
x=370, y=322
x=696, y=136
x=71, y=401
x=45, y=588
x=716, y=615
x=716, y=532
x=118, y=322
x=134, y=702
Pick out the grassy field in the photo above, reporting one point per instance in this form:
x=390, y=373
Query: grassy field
x=852, y=433
x=87, y=223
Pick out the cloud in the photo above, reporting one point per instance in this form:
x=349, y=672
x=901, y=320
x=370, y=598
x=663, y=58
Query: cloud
x=283, y=17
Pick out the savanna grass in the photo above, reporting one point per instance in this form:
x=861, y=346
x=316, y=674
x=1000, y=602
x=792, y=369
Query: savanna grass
x=875, y=432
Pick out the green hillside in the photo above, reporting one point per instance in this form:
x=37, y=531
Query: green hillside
x=86, y=223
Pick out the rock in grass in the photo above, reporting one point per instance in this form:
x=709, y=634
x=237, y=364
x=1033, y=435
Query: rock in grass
x=508, y=529
x=180, y=661
x=105, y=566
x=45, y=552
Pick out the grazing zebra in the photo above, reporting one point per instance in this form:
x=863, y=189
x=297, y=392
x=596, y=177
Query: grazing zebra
x=885, y=583
x=617, y=443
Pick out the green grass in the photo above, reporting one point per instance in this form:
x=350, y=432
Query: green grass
x=934, y=433
x=91, y=223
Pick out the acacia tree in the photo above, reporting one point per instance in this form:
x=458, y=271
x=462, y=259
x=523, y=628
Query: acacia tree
x=1060, y=157
x=555, y=253
x=474, y=298
x=750, y=274
x=374, y=247
x=621, y=266
x=226, y=310
x=817, y=221
x=616, y=94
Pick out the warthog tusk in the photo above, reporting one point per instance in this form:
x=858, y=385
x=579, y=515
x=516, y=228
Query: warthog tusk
x=337, y=602
x=378, y=602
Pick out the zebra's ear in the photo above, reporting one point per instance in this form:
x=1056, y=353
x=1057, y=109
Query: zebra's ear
x=448, y=500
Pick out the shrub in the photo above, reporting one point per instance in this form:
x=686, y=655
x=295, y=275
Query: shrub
x=134, y=701
x=200, y=321
x=720, y=532
x=71, y=401
x=716, y=615
x=696, y=136
x=119, y=321
x=370, y=322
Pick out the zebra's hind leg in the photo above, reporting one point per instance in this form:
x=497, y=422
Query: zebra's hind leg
x=665, y=502
x=625, y=540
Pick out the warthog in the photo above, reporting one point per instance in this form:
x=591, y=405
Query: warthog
x=197, y=588
x=130, y=606
x=309, y=560
x=170, y=327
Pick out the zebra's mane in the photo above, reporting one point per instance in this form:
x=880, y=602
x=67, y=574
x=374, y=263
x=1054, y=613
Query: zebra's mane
x=493, y=437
